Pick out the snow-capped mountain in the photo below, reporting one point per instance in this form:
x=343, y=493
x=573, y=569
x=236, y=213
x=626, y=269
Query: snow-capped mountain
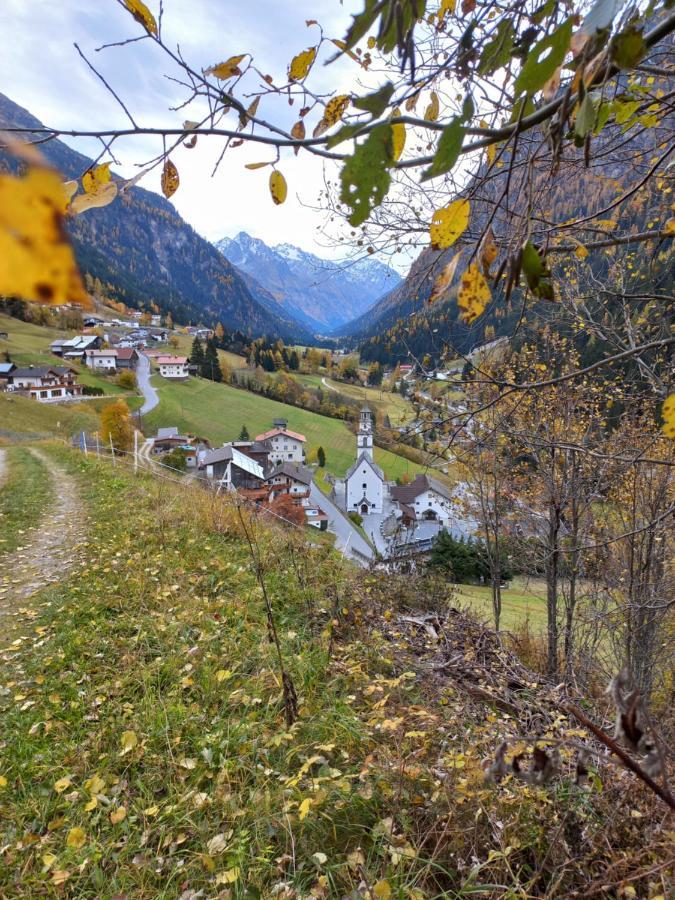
x=320, y=293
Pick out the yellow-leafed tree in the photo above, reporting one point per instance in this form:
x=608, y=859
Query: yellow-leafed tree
x=116, y=425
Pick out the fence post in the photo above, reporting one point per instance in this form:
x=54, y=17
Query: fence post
x=135, y=451
x=112, y=449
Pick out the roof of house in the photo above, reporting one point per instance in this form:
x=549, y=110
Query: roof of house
x=40, y=371
x=6, y=368
x=406, y=493
x=364, y=458
x=250, y=446
x=229, y=453
x=273, y=432
x=126, y=352
x=172, y=431
x=171, y=360
x=292, y=470
x=109, y=352
x=81, y=342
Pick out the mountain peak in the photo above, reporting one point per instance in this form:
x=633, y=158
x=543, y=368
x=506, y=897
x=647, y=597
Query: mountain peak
x=329, y=292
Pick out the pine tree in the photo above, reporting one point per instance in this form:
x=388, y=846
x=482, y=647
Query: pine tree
x=211, y=366
x=294, y=362
x=197, y=355
x=321, y=457
x=243, y=434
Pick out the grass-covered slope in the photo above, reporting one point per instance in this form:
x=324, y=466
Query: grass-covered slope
x=144, y=752
x=217, y=411
x=25, y=492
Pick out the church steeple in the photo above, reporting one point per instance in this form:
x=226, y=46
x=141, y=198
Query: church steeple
x=364, y=438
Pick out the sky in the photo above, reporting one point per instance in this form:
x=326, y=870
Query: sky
x=40, y=69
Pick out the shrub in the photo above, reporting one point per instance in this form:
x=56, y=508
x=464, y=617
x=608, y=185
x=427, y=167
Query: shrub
x=127, y=380
x=88, y=390
x=355, y=517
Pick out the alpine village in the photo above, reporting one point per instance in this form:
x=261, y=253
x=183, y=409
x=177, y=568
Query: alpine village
x=337, y=419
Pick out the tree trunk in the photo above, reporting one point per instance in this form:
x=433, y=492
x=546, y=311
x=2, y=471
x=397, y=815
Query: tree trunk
x=552, y=560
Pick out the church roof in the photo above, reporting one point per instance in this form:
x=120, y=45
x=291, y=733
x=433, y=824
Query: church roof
x=364, y=458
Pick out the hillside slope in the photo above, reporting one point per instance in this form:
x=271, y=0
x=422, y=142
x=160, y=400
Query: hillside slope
x=321, y=291
x=143, y=251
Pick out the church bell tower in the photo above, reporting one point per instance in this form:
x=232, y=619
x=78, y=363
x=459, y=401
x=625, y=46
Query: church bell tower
x=364, y=438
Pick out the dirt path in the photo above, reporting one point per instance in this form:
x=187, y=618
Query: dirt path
x=52, y=548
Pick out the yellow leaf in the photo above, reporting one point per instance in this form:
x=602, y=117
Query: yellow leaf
x=444, y=280
x=335, y=109
x=151, y=811
x=70, y=188
x=668, y=414
x=142, y=14
x=278, y=187
x=298, y=131
x=95, y=178
x=304, y=808
x=433, y=109
x=222, y=674
x=95, y=784
x=48, y=860
x=581, y=252
x=448, y=223
x=91, y=805
x=36, y=259
x=170, y=179
x=76, y=838
x=105, y=194
x=3, y=782
x=474, y=294
x=118, y=815
x=669, y=227
x=257, y=165
x=447, y=6
x=301, y=63
x=229, y=876
x=129, y=740
x=227, y=69
x=488, y=251
x=62, y=784
x=382, y=889
x=397, y=136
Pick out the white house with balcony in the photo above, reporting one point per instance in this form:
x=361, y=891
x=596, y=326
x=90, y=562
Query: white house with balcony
x=173, y=367
x=101, y=360
x=283, y=445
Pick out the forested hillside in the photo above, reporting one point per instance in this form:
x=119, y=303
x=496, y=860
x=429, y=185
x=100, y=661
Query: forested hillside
x=143, y=252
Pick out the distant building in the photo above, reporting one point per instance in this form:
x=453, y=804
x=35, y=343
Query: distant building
x=232, y=470
x=127, y=358
x=424, y=499
x=102, y=360
x=6, y=369
x=173, y=367
x=289, y=478
x=46, y=383
x=283, y=445
x=364, y=481
x=75, y=348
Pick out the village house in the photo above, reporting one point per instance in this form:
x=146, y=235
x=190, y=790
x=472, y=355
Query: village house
x=314, y=515
x=127, y=357
x=6, y=369
x=289, y=478
x=75, y=348
x=173, y=367
x=283, y=445
x=232, y=470
x=102, y=360
x=424, y=499
x=255, y=450
x=46, y=383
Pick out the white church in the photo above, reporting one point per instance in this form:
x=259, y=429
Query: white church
x=394, y=515
x=364, y=484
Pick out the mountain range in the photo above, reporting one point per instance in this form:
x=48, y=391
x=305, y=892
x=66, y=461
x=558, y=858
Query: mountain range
x=322, y=294
x=140, y=251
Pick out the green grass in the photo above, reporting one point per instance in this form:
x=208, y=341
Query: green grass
x=25, y=492
x=398, y=408
x=21, y=417
x=217, y=412
x=524, y=599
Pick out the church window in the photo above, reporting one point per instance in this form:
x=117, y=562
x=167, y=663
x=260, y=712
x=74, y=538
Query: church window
x=364, y=485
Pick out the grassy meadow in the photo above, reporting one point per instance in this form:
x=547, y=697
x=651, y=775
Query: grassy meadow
x=218, y=411
x=25, y=491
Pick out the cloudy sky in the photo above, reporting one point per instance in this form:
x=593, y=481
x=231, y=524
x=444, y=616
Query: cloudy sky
x=41, y=70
